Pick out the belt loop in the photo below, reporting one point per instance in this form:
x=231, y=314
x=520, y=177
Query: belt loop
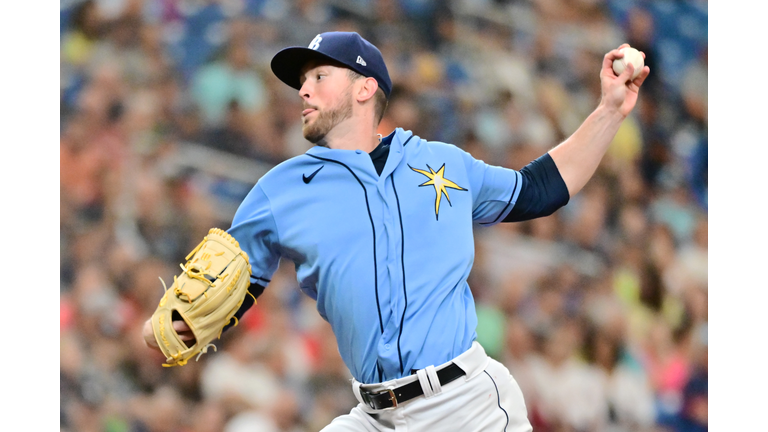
x=437, y=388
x=356, y=390
x=424, y=381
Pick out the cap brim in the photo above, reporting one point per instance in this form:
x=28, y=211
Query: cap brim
x=287, y=64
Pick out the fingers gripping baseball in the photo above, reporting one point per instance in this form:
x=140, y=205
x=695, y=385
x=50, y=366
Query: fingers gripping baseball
x=620, y=91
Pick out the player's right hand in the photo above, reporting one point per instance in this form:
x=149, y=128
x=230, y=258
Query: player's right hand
x=618, y=92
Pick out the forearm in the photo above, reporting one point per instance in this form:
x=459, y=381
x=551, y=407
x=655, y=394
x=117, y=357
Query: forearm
x=578, y=157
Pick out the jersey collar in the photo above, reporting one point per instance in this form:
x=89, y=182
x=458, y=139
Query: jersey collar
x=397, y=138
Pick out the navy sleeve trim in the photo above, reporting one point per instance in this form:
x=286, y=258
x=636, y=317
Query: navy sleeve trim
x=260, y=279
x=515, y=193
x=542, y=193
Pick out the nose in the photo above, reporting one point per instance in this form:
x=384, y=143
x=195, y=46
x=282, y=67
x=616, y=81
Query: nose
x=304, y=90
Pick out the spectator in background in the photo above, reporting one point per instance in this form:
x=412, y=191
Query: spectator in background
x=231, y=78
x=236, y=379
x=231, y=136
x=519, y=355
x=210, y=416
x=328, y=384
x=402, y=110
x=668, y=369
x=694, y=413
x=640, y=30
x=78, y=44
x=568, y=395
x=624, y=385
x=694, y=91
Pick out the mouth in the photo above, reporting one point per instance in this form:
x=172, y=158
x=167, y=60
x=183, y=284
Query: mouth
x=307, y=111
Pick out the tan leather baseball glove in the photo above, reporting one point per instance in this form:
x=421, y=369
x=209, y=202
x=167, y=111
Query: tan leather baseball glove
x=206, y=295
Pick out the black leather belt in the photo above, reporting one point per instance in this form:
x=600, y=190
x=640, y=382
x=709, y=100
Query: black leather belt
x=390, y=398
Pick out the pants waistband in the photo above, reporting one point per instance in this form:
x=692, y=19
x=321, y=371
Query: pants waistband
x=472, y=362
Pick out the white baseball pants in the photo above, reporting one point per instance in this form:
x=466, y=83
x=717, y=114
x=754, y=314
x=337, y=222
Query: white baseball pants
x=487, y=398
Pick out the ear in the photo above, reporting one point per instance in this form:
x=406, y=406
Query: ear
x=366, y=88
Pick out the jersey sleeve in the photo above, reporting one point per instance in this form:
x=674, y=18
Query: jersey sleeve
x=254, y=228
x=543, y=191
x=494, y=190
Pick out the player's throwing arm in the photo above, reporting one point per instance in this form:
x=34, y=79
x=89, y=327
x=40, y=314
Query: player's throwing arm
x=577, y=157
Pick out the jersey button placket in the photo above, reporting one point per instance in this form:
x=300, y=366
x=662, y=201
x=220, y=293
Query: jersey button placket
x=394, y=265
x=392, y=234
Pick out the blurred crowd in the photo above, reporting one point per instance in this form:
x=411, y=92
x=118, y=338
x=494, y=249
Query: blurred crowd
x=170, y=113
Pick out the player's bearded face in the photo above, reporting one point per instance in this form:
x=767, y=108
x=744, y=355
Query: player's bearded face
x=326, y=119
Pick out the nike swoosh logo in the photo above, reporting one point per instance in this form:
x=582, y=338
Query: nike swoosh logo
x=311, y=176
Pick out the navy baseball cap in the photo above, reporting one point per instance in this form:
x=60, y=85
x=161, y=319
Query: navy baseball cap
x=347, y=48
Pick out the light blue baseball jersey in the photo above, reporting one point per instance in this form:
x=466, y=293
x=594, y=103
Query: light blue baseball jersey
x=386, y=257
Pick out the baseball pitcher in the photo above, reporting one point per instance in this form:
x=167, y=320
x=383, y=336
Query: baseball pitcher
x=381, y=232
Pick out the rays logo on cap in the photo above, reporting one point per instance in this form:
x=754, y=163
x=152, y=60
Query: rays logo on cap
x=347, y=48
x=315, y=44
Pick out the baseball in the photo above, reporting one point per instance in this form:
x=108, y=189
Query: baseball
x=630, y=55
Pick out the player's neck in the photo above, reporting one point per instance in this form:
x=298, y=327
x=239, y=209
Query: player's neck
x=353, y=134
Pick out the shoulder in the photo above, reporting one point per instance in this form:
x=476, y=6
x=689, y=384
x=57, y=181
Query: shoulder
x=417, y=144
x=275, y=184
x=435, y=151
x=281, y=173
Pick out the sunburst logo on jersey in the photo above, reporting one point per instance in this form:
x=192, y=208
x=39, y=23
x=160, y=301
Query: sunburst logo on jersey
x=441, y=184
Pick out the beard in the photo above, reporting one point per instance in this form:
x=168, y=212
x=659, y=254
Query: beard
x=326, y=120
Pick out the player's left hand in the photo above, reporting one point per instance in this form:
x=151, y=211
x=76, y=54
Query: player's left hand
x=185, y=333
x=618, y=92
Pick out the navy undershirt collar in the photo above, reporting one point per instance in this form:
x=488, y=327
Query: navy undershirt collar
x=380, y=153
